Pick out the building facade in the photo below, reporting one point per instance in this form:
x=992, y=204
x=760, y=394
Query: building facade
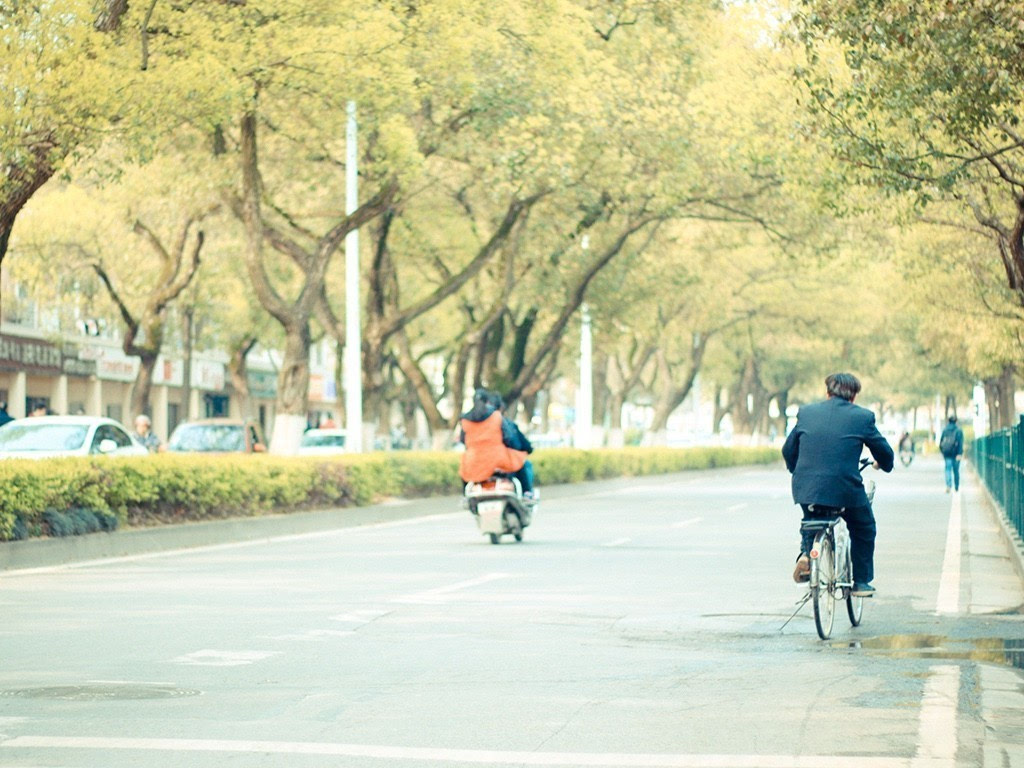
x=91, y=375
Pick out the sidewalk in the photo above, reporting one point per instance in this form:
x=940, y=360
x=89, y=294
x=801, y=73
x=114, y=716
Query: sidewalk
x=994, y=560
x=992, y=552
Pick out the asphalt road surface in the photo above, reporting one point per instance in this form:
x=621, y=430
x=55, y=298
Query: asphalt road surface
x=640, y=623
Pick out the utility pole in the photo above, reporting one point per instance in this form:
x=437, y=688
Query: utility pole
x=352, y=364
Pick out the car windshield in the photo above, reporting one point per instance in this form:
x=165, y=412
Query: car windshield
x=310, y=440
x=18, y=436
x=208, y=437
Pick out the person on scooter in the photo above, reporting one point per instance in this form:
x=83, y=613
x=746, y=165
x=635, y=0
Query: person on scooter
x=514, y=438
x=484, y=435
x=822, y=453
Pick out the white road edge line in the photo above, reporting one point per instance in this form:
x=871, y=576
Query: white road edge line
x=617, y=542
x=738, y=507
x=948, y=600
x=476, y=756
x=936, y=736
x=685, y=523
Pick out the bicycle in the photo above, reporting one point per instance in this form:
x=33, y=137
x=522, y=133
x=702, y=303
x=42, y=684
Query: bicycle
x=831, y=577
x=906, y=456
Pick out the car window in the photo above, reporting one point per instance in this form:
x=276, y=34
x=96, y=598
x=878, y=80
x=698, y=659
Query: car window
x=208, y=437
x=103, y=432
x=119, y=436
x=16, y=436
x=314, y=440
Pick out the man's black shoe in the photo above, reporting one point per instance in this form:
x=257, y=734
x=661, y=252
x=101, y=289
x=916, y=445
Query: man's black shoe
x=862, y=590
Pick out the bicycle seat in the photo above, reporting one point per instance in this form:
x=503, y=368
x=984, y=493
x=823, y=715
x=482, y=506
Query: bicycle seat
x=824, y=510
x=819, y=525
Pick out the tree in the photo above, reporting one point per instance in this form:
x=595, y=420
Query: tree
x=76, y=75
x=925, y=98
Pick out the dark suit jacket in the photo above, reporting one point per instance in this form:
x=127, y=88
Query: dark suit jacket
x=824, y=447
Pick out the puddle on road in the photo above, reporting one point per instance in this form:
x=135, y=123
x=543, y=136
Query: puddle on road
x=1006, y=651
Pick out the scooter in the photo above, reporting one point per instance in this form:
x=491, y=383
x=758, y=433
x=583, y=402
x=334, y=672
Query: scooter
x=499, y=507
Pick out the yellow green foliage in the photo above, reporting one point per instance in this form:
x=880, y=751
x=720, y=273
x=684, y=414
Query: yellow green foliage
x=170, y=488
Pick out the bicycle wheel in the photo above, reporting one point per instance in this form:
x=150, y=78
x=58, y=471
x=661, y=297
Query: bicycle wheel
x=854, y=608
x=823, y=592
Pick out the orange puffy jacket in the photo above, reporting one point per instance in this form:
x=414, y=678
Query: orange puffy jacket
x=485, y=450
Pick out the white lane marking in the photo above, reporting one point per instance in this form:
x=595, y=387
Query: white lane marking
x=948, y=600
x=475, y=756
x=210, y=658
x=617, y=542
x=361, y=617
x=737, y=507
x=439, y=594
x=313, y=634
x=232, y=545
x=685, y=523
x=634, y=489
x=936, y=736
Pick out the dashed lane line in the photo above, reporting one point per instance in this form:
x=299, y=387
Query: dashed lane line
x=617, y=542
x=440, y=594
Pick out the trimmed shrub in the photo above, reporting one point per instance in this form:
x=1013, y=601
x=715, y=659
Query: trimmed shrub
x=62, y=497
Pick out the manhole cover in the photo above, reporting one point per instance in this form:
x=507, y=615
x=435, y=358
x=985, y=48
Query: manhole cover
x=101, y=692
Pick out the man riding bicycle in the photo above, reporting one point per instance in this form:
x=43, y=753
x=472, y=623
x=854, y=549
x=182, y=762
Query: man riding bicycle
x=822, y=453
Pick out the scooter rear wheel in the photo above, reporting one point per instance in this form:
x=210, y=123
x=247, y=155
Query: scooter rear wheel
x=514, y=524
x=495, y=538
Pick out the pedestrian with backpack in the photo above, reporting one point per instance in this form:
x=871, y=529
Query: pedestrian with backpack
x=951, y=443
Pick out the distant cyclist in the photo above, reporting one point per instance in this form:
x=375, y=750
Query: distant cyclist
x=822, y=453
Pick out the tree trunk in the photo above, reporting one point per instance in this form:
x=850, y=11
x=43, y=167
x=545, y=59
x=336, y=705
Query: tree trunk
x=420, y=385
x=22, y=180
x=616, y=434
x=143, y=383
x=671, y=397
x=292, y=390
x=188, y=335
x=999, y=394
x=238, y=371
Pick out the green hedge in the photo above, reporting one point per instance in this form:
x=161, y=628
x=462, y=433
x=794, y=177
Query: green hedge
x=58, y=497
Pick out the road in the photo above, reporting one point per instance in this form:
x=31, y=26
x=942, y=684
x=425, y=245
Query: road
x=640, y=623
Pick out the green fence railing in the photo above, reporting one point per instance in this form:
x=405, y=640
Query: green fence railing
x=999, y=459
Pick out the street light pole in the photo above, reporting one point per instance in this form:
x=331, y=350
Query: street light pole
x=352, y=363
x=585, y=400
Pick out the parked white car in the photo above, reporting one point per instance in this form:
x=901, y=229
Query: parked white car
x=43, y=437
x=320, y=442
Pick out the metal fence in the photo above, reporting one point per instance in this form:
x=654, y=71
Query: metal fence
x=999, y=458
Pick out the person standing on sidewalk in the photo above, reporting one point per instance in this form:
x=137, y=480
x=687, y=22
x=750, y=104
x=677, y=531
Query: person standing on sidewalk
x=951, y=443
x=144, y=434
x=822, y=453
